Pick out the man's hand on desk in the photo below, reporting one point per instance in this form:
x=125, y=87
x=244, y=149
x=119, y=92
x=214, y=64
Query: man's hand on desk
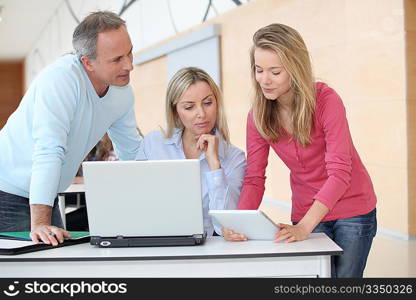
x=42, y=231
x=232, y=236
x=48, y=234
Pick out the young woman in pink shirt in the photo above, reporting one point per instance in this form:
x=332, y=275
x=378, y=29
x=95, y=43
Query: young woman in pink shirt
x=305, y=123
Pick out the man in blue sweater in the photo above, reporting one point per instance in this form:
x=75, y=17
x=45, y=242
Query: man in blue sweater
x=67, y=109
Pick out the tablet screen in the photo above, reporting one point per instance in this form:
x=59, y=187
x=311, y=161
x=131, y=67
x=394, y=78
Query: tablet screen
x=254, y=224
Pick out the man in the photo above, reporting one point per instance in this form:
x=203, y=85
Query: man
x=64, y=113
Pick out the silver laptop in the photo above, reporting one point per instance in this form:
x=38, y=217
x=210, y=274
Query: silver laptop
x=144, y=203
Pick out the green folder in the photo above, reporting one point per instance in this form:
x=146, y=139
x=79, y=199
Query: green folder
x=78, y=237
x=25, y=235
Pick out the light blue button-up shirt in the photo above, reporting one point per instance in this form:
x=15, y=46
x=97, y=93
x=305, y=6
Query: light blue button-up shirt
x=220, y=188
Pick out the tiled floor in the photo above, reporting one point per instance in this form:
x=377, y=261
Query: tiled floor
x=389, y=257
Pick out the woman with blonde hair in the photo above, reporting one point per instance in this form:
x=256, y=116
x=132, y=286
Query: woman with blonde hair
x=305, y=123
x=197, y=129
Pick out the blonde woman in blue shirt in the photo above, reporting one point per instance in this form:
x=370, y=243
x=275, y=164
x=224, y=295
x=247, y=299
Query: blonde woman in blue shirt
x=197, y=129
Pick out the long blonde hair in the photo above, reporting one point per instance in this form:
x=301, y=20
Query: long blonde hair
x=290, y=47
x=179, y=83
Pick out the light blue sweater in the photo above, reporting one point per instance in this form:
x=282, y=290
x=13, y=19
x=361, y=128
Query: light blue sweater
x=59, y=120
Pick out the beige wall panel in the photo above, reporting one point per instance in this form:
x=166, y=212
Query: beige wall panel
x=377, y=140
x=321, y=23
x=330, y=67
x=374, y=19
x=390, y=186
x=149, y=84
x=373, y=71
x=376, y=70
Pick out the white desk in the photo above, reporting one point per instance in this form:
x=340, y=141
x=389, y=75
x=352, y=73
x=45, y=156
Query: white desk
x=78, y=189
x=216, y=258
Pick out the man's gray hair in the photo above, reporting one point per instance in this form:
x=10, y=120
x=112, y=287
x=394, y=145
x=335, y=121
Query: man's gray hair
x=84, y=39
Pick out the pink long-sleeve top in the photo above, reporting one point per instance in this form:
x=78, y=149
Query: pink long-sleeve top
x=328, y=170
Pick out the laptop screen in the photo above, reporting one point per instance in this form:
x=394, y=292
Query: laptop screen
x=144, y=198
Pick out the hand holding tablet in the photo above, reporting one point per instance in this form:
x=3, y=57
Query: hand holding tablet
x=246, y=224
x=232, y=236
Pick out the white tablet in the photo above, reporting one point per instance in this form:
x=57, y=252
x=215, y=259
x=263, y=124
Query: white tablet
x=254, y=224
